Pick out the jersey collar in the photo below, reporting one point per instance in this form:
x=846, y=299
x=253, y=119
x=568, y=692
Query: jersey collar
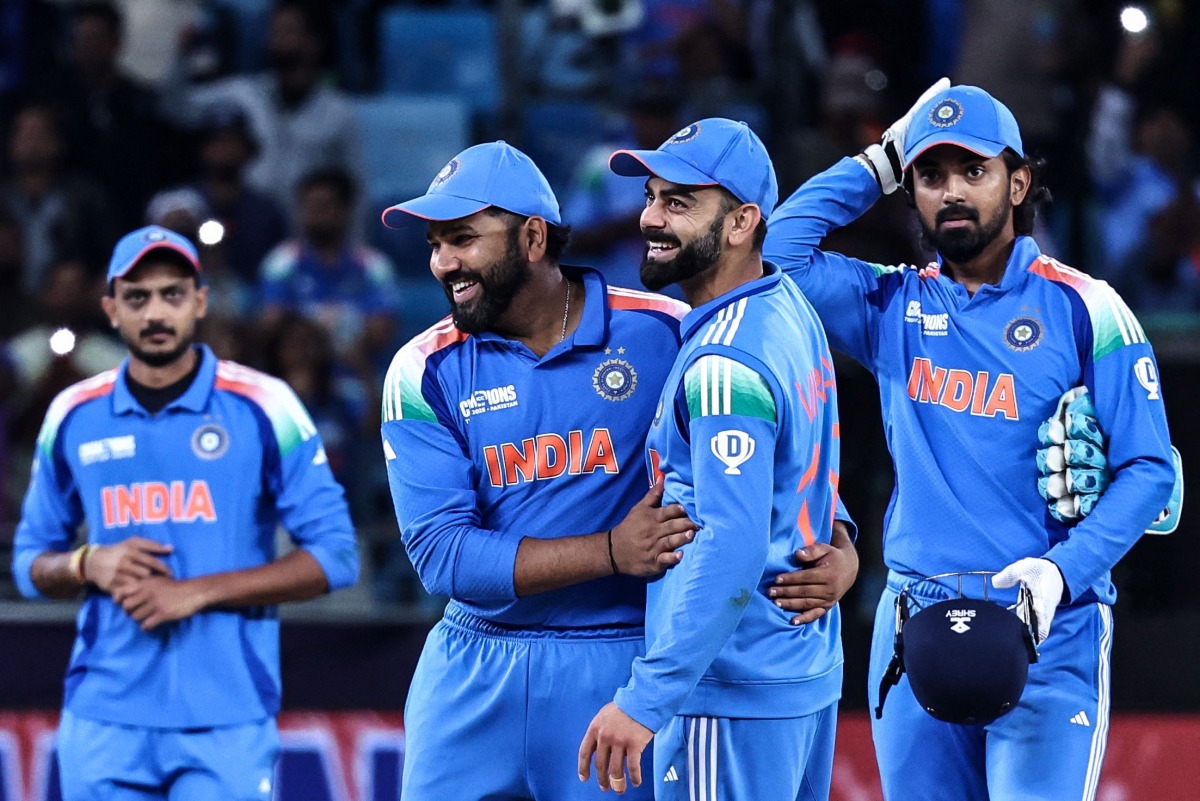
x=194, y=400
x=698, y=316
x=1024, y=253
x=592, y=330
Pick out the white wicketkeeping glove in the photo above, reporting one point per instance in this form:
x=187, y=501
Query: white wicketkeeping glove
x=1045, y=584
x=883, y=160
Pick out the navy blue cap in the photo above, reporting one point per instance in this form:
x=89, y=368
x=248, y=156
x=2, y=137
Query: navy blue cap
x=134, y=246
x=967, y=660
x=491, y=174
x=965, y=116
x=712, y=152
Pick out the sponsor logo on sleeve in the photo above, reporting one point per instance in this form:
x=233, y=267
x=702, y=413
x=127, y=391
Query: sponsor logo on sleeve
x=734, y=448
x=1147, y=376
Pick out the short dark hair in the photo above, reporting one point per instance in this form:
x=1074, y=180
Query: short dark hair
x=1037, y=196
x=557, y=236
x=334, y=178
x=730, y=203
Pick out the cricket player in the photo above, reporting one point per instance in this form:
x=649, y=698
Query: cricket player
x=745, y=437
x=514, y=433
x=972, y=352
x=181, y=466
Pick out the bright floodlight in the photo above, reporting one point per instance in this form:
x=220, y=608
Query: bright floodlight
x=211, y=232
x=1134, y=19
x=62, y=341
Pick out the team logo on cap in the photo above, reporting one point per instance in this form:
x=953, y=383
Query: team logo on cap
x=615, y=379
x=210, y=441
x=946, y=113
x=685, y=135
x=154, y=236
x=446, y=173
x=1023, y=333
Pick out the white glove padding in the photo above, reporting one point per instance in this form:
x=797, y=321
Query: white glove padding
x=1045, y=584
x=883, y=160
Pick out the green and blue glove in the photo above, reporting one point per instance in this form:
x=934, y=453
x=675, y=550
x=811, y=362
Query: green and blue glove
x=1072, y=464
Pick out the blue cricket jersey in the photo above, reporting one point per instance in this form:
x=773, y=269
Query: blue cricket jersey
x=746, y=437
x=486, y=443
x=965, y=381
x=211, y=474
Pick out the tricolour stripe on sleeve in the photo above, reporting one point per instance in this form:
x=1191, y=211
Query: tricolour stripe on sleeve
x=633, y=299
x=1113, y=324
x=289, y=419
x=402, y=396
x=718, y=385
x=71, y=397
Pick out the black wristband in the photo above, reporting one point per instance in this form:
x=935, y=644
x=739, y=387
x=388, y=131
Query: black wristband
x=612, y=559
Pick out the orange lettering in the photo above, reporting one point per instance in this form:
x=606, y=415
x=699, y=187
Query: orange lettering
x=925, y=383
x=957, y=394
x=519, y=461
x=110, y=507
x=981, y=384
x=575, y=451
x=492, y=457
x=551, y=456
x=200, y=504
x=1003, y=399
x=156, y=500
x=600, y=454
x=176, y=500
x=129, y=505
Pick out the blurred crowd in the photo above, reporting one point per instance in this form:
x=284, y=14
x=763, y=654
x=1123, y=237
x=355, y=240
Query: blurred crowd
x=253, y=127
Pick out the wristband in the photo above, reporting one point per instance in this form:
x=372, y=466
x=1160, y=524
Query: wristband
x=77, y=564
x=612, y=559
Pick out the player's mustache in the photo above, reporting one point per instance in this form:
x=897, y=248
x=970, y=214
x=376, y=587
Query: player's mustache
x=957, y=213
x=461, y=275
x=151, y=330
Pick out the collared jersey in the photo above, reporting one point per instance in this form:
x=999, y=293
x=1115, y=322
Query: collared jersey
x=965, y=381
x=212, y=475
x=746, y=437
x=486, y=443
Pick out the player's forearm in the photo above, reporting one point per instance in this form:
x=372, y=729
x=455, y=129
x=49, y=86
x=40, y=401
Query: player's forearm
x=55, y=575
x=551, y=564
x=295, y=577
x=829, y=200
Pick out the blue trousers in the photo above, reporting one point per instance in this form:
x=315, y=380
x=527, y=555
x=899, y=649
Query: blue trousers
x=499, y=715
x=110, y=762
x=1050, y=747
x=731, y=759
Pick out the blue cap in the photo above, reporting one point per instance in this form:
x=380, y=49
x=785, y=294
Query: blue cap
x=134, y=246
x=711, y=152
x=491, y=174
x=965, y=116
x=967, y=660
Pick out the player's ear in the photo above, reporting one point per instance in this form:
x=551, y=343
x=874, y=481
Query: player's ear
x=109, y=304
x=535, y=232
x=1018, y=184
x=744, y=220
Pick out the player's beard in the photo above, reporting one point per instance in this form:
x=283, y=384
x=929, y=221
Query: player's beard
x=499, y=283
x=159, y=358
x=961, y=245
x=699, y=255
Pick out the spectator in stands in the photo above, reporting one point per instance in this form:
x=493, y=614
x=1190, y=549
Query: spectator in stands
x=61, y=215
x=114, y=130
x=1145, y=193
x=15, y=305
x=253, y=221
x=348, y=288
x=300, y=123
x=605, y=207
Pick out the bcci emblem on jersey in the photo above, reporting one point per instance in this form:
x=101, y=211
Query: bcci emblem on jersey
x=1023, y=333
x=733, y=448
x=210, y=441
x=615, y=379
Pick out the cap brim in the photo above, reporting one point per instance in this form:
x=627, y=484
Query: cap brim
x=147, y=250
x=431, y=207
x=980, y=147
x=664, y=165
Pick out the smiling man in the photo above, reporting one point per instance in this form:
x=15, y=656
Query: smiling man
x=514, y=433
x=972, y=352
x=182, y=467
x=740, y=703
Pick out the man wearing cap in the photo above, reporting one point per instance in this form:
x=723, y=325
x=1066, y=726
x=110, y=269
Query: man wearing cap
x=181, y=467
x=972, y=352
x=514, y=436
x=745, y=437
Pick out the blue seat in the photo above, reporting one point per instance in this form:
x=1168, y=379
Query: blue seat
x=448, y=51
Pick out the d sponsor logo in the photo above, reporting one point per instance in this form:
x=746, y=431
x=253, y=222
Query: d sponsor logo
x=1147, y=376
x=734, y=448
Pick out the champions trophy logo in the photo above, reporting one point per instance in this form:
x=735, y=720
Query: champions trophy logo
x=733, y=448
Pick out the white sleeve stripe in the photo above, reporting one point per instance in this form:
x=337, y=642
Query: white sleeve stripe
x=691, y=760
x=1118, y=317
x=737, y=321
x=712, y=755
x=727, y=386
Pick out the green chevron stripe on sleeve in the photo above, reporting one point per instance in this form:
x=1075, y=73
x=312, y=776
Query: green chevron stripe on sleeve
x=719, y=385
x=402, y=398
